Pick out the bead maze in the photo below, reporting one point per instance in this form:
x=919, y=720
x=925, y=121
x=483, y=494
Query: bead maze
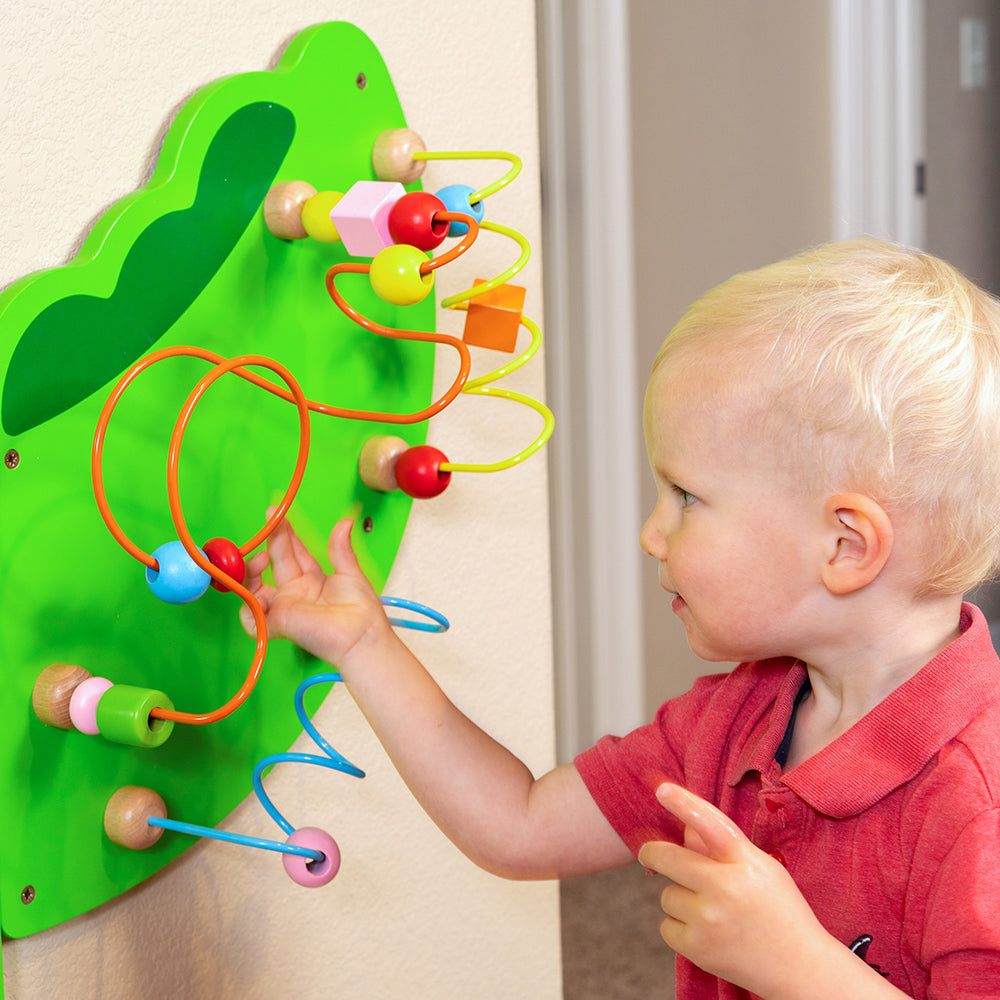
x=125, y=728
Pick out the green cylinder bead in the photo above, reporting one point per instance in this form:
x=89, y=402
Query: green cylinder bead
x=123, y=716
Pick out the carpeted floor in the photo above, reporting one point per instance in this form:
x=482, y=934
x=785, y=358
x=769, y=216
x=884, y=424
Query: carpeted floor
x=611, y=942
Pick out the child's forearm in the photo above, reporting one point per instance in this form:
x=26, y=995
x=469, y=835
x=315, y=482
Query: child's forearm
x=480, y=794
x=477, y=792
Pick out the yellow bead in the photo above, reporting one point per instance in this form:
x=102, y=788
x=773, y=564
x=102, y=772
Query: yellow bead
x=396, y=278
x=316, y=216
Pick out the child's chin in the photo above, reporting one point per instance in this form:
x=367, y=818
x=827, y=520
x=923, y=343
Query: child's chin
x=705, y=649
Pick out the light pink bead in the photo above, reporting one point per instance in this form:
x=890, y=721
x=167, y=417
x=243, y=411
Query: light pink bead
x=362, y=216
x=83, y=704
x=312, y=874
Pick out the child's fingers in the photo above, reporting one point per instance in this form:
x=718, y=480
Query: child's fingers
x=693, y=842
x=289, y=558
x=341, y=551
x=247, y=620
x=303, y=557
x=256, y=565
x=711, y=832
x=682, y=866
x=678, y=903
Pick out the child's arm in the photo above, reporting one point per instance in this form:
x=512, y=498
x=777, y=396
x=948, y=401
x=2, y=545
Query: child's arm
x=483, y=798
x=729, y=903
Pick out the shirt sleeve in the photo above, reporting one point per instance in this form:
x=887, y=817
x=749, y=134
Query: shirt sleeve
x=961, y=941
x=623, y=773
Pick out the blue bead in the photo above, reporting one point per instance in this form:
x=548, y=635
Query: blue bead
x=456, y=199
x=180, y=579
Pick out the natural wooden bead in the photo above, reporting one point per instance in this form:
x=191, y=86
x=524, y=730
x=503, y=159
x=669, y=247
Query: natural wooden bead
x=126, y=817
x=392, y=156
x=53, y=691
x=283, y=209
x=377, y=463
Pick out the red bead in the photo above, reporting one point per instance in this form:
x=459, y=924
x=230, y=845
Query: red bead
x=418, y=472
x=225, y=555
x=411, y=220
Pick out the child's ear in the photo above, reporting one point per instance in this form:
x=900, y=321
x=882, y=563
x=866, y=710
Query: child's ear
x=860, y=535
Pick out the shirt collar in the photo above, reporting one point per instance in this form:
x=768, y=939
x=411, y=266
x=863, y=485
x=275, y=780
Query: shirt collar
x=894, y=742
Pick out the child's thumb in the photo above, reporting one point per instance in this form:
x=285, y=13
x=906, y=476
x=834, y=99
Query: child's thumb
x=340, y=550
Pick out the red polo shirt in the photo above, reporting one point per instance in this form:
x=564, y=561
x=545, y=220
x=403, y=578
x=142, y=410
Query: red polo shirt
x=892, y=832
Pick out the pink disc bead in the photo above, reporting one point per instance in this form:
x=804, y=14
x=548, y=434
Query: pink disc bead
x=225, y=555
x=411, y=220
x=418, y=472
x=83, y=704
x=312, y=874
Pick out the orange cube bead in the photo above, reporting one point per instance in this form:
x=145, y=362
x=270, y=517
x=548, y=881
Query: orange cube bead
x=494, y=317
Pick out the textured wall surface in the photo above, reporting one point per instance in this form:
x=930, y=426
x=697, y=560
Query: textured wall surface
x=90, y=89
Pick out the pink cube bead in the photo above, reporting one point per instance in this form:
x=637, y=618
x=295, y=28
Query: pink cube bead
x=362, y=216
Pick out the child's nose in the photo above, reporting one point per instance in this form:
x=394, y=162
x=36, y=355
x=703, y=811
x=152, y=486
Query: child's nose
x=651, y=540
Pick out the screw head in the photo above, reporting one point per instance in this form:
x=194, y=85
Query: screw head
x=361, y=81
x=28, y=894
x=368, y=525
x=12, y=459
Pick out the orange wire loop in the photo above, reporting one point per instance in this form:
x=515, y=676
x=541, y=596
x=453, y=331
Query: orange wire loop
x=240, y=366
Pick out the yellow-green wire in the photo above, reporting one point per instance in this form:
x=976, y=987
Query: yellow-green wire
x=492, y=154
x=453, y=301
x=517, y=397
x=480, y=386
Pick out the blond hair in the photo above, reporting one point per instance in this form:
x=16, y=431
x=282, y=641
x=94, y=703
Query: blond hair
x=878, y=368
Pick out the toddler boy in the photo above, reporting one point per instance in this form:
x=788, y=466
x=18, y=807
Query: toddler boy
x=824, y=435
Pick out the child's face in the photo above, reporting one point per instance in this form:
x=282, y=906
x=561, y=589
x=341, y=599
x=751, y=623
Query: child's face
x=735, y=536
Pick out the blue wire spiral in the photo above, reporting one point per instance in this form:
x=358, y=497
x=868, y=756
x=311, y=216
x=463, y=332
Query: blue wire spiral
x=332, y=759
x=437, y=622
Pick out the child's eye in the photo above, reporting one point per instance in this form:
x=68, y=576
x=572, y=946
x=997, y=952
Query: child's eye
x=686, y=498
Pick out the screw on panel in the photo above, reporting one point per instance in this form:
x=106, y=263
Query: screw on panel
x=361, y=81
x=28, y=894
x=12, y=459
x=368, y=525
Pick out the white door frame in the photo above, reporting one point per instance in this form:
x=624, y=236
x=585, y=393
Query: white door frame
x=595, y=452
x=878, y=119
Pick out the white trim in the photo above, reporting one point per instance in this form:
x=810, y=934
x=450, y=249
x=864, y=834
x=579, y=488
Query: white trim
x=595, y=454
x=570, y=692
x=878, y=118
x=612, y=386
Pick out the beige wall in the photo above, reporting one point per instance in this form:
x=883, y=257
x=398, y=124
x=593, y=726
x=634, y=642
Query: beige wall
x=963, y=156
x=731, y=132
x=89, y=89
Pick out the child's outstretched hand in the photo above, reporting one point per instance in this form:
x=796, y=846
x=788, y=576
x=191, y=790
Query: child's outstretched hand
x=729, y=902
x=329, y=615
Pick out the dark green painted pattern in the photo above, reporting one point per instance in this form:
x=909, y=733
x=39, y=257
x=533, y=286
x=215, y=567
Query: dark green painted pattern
x=80, y=342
